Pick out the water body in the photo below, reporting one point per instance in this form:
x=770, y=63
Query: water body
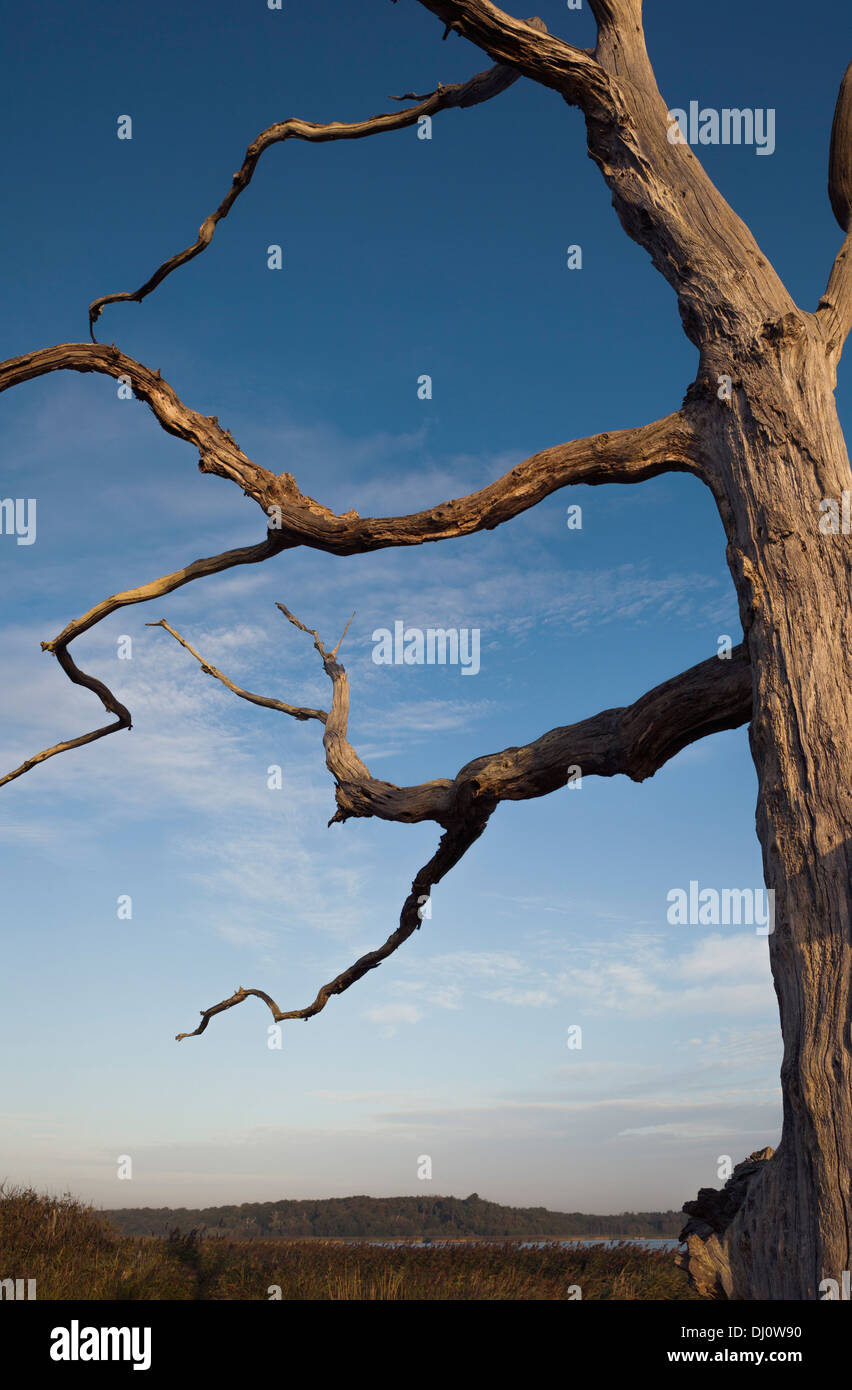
x=605, y=1242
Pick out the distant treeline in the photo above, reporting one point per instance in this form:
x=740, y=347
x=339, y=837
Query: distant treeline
x=384, y=1218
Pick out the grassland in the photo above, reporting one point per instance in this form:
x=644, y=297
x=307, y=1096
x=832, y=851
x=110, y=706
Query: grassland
x=73, y=1253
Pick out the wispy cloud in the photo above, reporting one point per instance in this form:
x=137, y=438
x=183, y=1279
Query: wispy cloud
x=389, y=1015
x=636, y=975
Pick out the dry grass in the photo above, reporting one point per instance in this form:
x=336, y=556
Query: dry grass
x=73, y=1254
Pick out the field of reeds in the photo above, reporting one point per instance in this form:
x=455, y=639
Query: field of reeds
x=72, y=1253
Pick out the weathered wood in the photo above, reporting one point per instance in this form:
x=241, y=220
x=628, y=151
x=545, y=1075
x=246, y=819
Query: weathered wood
x=840, y=154
x=759, y=427
x=635, y=740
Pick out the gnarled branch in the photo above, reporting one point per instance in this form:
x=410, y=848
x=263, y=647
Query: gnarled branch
x=671, y=444
x=358, y=793
x=245, y=555
x=635, y=740
x=453, y=844
x=107, y=699
x=664, y=199
x=623, y=456
x=835, y=307
x=218, y=451
x=481, y=87
x=840, y=154
x=527, y=46
x=300, y=712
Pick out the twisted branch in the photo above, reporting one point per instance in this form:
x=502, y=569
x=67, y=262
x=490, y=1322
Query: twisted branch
x=245, y=555
x=635, y=740
x=528, y=48
x=663, y=197
x=218, y=451
x=625, y=456
x=297, y=711
x=481, y=87
x=669, y=445
x=453, y=844
x=835, y=307
x=107, y=699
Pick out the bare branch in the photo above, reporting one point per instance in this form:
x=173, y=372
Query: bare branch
x=630, y=455
x=336, y=649
x=218, y=451
x=635, y=740
x=166, y=584
x=835, y=307
x=297, y=711
x=619, y=456
x=245, y=555
x=452, y=846
x=527, y=46
x=840, y=154
x=107, y=699
x=834, y=311
x=358, y=793
x=663, y=197
x=481, y=87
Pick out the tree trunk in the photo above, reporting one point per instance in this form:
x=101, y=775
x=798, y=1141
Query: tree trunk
x=784, y=1222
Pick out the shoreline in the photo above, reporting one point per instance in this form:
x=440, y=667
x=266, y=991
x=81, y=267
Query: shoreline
x=423, y=1240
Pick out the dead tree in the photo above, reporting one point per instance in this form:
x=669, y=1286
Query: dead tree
x=771, y=451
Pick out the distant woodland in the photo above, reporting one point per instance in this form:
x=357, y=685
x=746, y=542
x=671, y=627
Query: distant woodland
x=385, y=1218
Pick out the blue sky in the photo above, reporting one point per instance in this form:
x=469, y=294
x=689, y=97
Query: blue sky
x=401, y=257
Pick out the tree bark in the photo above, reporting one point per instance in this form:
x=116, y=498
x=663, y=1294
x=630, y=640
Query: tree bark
x=780, y=453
